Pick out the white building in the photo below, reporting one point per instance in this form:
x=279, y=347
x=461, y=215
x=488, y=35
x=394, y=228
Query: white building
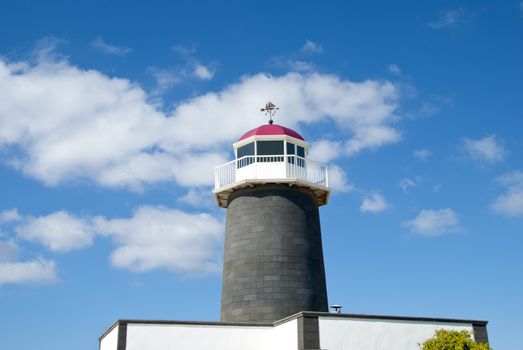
x=304, y=330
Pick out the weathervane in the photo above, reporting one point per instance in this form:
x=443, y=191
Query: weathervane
x=270, y=109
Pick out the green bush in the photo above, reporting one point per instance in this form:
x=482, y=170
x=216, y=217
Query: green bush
x=452, y=340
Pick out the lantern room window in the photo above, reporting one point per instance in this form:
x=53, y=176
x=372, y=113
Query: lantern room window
x=266, y=148
x=295, y=154
x=269, y=151
x=245, y=154
x=247, y=150
x=291, y=149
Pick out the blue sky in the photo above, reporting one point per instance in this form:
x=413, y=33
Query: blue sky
x=112, y=117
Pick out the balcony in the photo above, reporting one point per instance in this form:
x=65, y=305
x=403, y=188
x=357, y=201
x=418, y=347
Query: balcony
x=271, y=169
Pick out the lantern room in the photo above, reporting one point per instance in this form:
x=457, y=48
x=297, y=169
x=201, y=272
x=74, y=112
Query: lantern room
x=271, y=154
x=272, y=146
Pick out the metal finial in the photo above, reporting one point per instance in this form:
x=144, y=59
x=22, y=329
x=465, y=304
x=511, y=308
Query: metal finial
x=270, y=109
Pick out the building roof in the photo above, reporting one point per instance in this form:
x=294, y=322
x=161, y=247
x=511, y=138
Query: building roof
x=313, y=314
x=271, y=129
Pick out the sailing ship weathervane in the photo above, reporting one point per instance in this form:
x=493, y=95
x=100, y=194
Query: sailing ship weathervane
x=270, y=109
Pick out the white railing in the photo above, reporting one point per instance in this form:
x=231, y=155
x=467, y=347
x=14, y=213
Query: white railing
x=276, y=167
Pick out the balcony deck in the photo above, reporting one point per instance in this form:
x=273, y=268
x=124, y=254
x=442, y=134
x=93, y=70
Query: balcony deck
x=272, y=169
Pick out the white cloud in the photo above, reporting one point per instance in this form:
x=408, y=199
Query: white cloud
x=13, y=271
x=406, y=183
x=299, y=61
x=429, y=108
x=394, y=69
x=324, y=151
x=299, y=66
x=373, y=203
x=186, y=51
x=521, y=6
x=449, y=18
x=202, y=72
x=164, y=78
x=510, y=203
x=10, y=215
x=188, y=170
x=109, y=49
x=304, y=98
x=58, y=231
x=64, y=123
x=434, y=222
x=197, y=198
x=37, y=271
x=9, y=250
x=487, y=149
x=422, y=154
x=338, y=180
x=158, y=237
x=46, y=48
x=372, y=137
x=193, y=68
x=311, y=47
x=153, y=238
x=71, y=123
x=433, y=105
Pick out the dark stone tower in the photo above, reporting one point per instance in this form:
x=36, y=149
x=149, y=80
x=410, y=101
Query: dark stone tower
x=273, y=259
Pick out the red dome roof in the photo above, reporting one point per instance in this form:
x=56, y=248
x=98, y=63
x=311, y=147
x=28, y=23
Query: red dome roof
x=271, y=129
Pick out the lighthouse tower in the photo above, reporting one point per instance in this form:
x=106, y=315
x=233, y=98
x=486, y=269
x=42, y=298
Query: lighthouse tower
x=273, y=258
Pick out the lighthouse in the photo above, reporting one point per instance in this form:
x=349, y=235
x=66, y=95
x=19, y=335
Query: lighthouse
x=274, y=294
x=273, y=259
